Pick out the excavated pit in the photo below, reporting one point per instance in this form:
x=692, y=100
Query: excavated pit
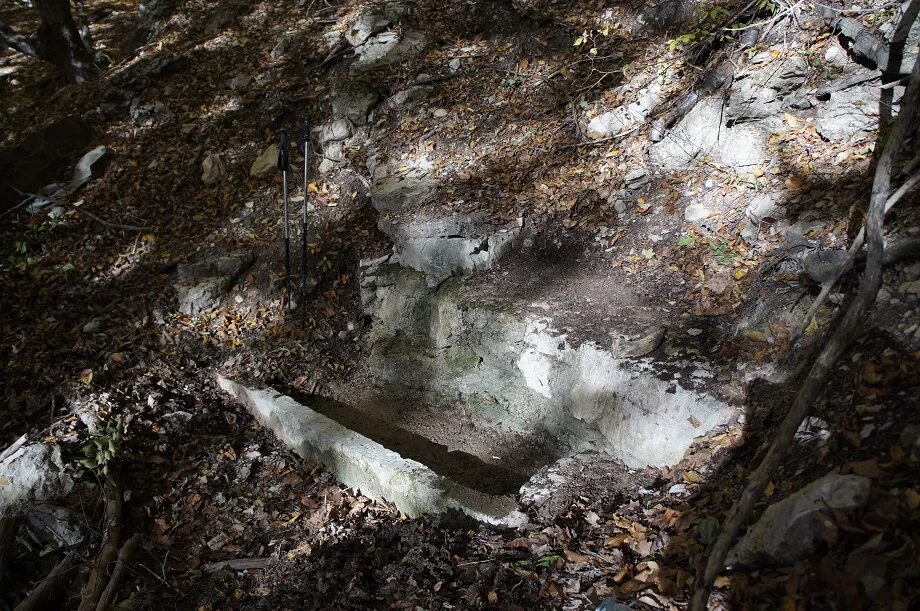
x=478, y=379
x=508, y=358
x=466, y=455
x=488, y=360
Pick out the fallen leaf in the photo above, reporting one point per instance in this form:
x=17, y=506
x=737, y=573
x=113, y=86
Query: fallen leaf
x=866, y=468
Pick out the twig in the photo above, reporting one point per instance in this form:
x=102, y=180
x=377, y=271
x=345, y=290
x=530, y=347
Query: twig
x=57, y=580
x=336, y=51
x=471, y=562
x=592, y=59
x=29, y=197
x=237, y=564
x=101, y=221
x=437, y=78
x=602, y=140
x=96, y=583
x=820, y=370
x=118, y=573
x=864, y=11
x=849, y=82
x=847, y=263
x=13, y=448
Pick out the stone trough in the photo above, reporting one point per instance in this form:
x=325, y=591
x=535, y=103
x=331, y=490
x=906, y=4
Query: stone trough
x=364, y=464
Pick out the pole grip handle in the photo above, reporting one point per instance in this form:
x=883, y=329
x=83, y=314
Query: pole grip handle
x=304, y=141
x=283, y=152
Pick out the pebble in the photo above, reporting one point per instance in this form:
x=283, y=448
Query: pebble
x=696, y=212
x=439, y=113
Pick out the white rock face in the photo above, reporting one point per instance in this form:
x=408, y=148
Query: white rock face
x=620, y=119
x=701, y=133
x=364, y=27
x=90, y=166
x=762, y=91
x=512, y=369
x=849, y=113
x=789, y=529
x=33, y=473
x=364, y=464
x=386, y=48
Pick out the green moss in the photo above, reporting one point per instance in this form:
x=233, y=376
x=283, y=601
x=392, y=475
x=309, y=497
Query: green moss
x=460, y=360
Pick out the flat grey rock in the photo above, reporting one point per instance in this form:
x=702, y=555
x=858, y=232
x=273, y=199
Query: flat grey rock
x=848, y=114
x=702, y=133
x=390, y=194
x=213, y=170
x=200, y=286
x=761, y=92
x=34, y=473
x=789, y=530
x=387, y=48
x=265, y=162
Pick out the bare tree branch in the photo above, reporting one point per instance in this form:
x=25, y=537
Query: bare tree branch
x=820, y=371
x=847, y=264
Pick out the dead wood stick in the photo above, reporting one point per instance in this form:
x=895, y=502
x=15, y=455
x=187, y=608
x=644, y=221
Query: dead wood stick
x=848, y=82
x=118, y=573
x=237, y=564
x=98, y=578
x=56, y=581
x=849, y=259
x=820, y=371
x=100, y=220
x=13, y=447
x=602, y=140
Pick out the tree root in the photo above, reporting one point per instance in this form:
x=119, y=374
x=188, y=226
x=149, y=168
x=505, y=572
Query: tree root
x=93, y=590
x=118, y=573
x=52, y=585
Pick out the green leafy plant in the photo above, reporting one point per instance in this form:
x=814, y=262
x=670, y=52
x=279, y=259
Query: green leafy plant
x=101, y=450
x=543, y=562
x=722, y=252
x=590, y=38
x=686, y=241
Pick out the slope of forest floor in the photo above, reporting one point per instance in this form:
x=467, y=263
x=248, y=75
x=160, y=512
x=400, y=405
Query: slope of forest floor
x=90, y=321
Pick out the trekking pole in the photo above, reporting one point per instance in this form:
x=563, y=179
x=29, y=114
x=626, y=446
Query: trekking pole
x=304, y=146
x=283, y=168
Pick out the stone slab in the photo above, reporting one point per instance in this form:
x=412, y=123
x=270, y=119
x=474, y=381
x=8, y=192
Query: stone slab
x=364, y=464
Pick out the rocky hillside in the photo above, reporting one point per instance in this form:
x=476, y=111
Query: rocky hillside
x=564, y=271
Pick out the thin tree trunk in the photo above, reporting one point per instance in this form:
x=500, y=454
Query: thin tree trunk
x=820, y=371
x=62, y=43
x=57, y=41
